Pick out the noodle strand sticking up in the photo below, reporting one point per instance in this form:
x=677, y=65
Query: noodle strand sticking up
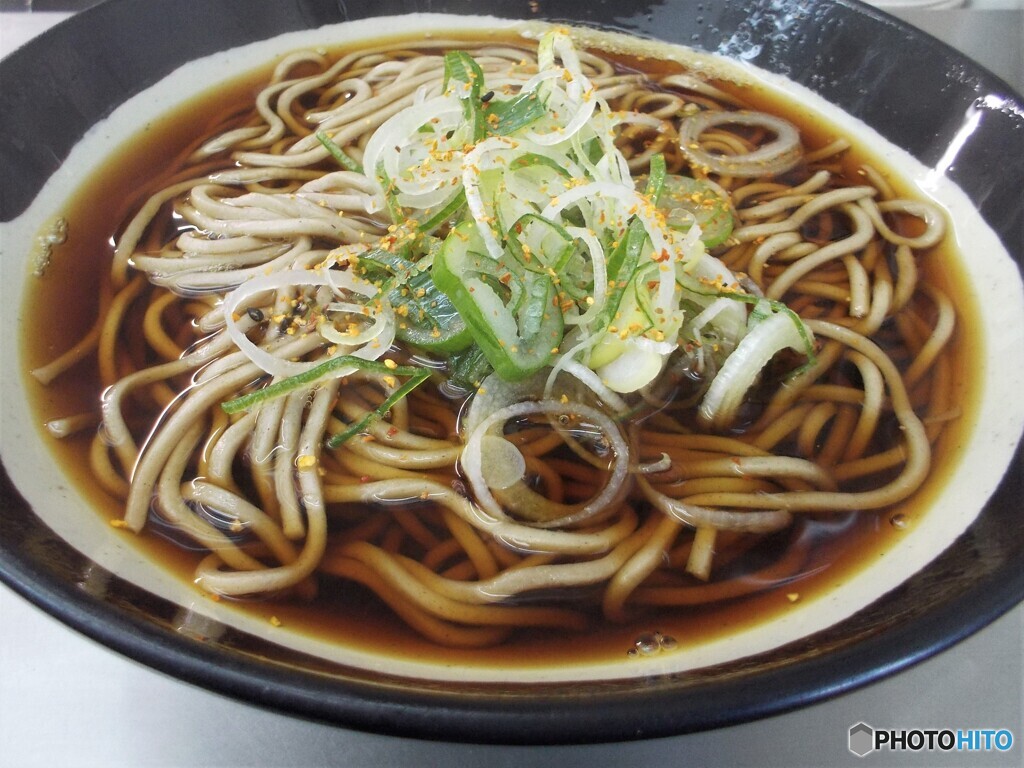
x=477, y=329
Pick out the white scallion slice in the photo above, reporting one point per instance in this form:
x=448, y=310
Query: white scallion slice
x=775, y=157
x=741, y=369
x=473, y=456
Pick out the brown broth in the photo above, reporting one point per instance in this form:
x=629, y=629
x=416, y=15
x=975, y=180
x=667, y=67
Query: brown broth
x=64, y=303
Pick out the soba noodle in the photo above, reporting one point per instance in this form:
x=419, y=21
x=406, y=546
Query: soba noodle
x=727, y=333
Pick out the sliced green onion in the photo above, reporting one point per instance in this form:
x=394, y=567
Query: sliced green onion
x=656, y=179
x=312, y=376
x=622, y=265
x=554, y=230
x=430, y=320
x=515, y=114
x=447, y=212
x=395, y=210
x=693, y=285
x=462, y=68
x=338, y=153
x=689, y=201
x=530, y=159
x=469, y=367
x=426, y=317
x=374, y=264
x=761, y=311
x=417, y=377
x=642, y=294
x=518, y=334
x=539, y=244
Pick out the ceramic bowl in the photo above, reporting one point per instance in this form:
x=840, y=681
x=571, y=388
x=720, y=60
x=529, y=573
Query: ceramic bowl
x=954, y=122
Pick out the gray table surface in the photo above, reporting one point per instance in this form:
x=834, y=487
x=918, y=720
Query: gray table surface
x=66, y=701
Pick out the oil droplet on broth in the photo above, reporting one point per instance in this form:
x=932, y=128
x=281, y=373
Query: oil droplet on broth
x=651, y=643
